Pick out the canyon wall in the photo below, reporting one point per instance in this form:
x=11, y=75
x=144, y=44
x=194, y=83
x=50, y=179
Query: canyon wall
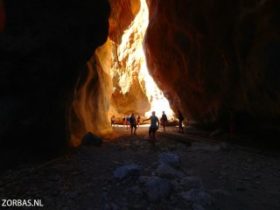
x=122, y=14
x=214, y=60
x=44, y=45
x=128, y=89
x=217, y=60
x=111, y=85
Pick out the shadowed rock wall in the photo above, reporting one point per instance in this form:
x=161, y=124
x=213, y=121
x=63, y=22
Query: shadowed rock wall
x=211, y=58
x=92, y=97
x=217, y=58
x=43, y=47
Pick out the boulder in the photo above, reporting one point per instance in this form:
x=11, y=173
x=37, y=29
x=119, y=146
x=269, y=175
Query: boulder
x=166, y=171
x=197, y=197
x=187, y=183
x=125, y=171
x=171, y=159
x=156, y=188
x=91, y=140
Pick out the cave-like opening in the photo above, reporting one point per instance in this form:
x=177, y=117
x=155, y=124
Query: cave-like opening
x=130, y=66
x=118, y=81
x=194, y=65
x=217, y=61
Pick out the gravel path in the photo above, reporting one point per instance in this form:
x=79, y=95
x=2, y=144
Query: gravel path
x=207, y=175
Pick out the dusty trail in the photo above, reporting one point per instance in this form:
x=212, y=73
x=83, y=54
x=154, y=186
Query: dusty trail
x=210, y=175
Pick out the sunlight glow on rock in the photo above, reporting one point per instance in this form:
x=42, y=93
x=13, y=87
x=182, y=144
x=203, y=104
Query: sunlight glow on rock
x=131, y=50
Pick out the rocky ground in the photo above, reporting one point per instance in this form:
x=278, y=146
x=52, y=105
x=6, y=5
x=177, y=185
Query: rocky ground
x=179, y=171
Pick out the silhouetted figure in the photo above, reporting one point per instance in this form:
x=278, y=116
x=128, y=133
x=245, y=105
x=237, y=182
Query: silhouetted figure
x=154, y=125
x=180, y=118
x=124, y=121
x=138, y=120
x=127, y=122
x=163, y=120
x=133, y=124
x=113, y=120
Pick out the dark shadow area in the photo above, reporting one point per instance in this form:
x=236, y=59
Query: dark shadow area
x=44, y=46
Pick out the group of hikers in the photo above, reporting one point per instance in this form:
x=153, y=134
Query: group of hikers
x=134, y=122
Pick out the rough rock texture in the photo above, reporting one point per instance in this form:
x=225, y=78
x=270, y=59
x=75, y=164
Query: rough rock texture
x=43, y=48
x=126, y=171
x=156, y=188
x=91, y=140
x=92, y=97
x=242, y=179
x=135, y=100
x=123, y=12
x=111, y=85
x=129, y=94
x=171, y=159
x=214, y=58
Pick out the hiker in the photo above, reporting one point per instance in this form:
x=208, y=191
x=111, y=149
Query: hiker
x=180, y=118
x=113, y=120
x=124, y=121
x=163, y=120
x=133, y=123
x=154, y=125
x=127, y=122
x=138, y=120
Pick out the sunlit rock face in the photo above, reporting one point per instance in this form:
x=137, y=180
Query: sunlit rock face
x=122, y=14
x=92, y=97
x=93, y=94
x=43, y=48
x=127, y=36
x=129, y=94
x=115, y=79
x=213, y=58
x=210, y=58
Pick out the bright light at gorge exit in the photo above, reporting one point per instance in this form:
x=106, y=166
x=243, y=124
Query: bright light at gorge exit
x=131, y=48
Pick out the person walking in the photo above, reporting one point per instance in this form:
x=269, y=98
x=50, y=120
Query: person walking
x=154, y=125
x=138, y=120
x=133, y=124
x=113, y=120
x=124, y=121
x=181, y=119
x=163, y=120
x=127, y=121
